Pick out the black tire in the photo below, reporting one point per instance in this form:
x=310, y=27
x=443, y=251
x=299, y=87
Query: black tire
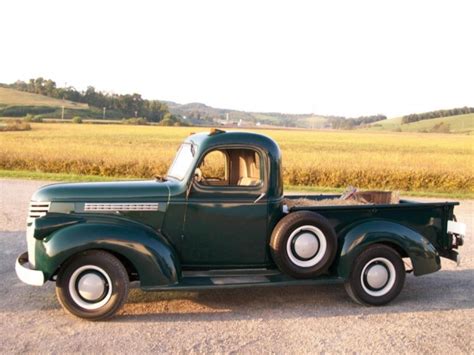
x=283, y=244
x=381, y=291
x=101, y=270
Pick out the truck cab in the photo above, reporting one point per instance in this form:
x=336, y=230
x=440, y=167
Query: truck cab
x=227, y=190
x=219, y=218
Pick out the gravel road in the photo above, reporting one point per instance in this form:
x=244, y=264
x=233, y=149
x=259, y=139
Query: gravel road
x=434, y=313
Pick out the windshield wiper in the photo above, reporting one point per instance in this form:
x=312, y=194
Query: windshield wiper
x=160, y=178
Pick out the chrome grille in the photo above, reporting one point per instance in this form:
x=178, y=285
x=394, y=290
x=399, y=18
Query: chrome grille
x=38, y=209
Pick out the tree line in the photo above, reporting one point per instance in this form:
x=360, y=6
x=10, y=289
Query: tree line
x=415, y=117
x=120, y=105
x=339, y=122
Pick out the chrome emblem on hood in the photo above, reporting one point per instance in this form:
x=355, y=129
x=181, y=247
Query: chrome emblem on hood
x=145, y=206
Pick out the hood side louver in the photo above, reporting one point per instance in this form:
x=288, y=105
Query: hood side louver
x=38, y=209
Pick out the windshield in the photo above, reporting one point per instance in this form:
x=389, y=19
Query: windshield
x=182, y=162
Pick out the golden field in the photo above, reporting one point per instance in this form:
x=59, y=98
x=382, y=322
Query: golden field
x=404, y=161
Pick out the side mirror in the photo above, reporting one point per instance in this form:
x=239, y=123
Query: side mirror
x=198, y=175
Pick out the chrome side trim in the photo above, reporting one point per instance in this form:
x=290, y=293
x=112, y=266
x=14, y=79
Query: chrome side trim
x=112, y=207
x=27, y=275
x=456, y=228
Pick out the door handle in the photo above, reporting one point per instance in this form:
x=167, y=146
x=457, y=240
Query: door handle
x=262, y=195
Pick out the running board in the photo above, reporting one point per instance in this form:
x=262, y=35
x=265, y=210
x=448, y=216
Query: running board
x=195, y=280
x=230, y=272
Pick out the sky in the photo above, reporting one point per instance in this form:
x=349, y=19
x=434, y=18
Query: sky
x=346, y=58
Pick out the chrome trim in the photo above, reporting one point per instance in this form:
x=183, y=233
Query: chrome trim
x=387, y=287
x=37, y=210
x=262, y=195
x=320, y=251
x=27, y=275
x=377, y=276
x=31, y=242
x=113, y=207
x=91, y=287
x=306, y=245
x=74, y=291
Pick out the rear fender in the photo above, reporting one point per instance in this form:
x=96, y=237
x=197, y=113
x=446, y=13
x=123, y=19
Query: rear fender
x=148, y=251
x=424, y=256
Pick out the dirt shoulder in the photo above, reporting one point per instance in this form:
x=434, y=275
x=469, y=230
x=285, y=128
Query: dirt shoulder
x=433, y=313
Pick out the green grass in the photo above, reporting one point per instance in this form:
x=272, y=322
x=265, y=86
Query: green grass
x=32, y=175
x=11, y=97
x=457, y=124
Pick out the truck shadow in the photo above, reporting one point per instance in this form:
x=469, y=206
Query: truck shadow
x=442, y=291
x=445, y=290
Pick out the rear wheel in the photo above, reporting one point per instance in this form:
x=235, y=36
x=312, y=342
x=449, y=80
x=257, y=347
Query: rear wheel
x=377, y=276
x=92, y=285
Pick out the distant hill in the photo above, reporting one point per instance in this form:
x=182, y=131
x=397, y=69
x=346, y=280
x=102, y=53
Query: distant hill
x=11, y=97
x=19, y=103
x=201, y=113
x=453, y=124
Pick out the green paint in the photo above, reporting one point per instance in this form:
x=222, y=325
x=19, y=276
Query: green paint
x=199, y=227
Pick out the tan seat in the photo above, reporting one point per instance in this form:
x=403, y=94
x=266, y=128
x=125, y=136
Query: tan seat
x=246, y=181
x=249, y=170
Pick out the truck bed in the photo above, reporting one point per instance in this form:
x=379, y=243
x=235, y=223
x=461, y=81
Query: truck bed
x=429, y=219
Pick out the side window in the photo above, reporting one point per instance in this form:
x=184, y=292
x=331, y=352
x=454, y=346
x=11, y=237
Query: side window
x=213, y=169
x=230, y=167
x=245, y=170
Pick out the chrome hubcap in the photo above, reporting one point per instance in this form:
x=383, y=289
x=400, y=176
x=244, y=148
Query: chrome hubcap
x=306, y=245
x=377, y=276
x=91, y=286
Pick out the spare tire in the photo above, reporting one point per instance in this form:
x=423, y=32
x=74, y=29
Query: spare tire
x=303, y=244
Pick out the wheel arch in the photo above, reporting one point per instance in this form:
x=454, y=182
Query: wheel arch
x=141, y=249
x=128, y=265
x=406, y=241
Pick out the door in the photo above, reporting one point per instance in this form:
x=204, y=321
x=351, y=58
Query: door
x=226, y=214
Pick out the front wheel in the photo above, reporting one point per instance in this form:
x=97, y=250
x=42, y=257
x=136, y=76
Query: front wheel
x=92, y=285
x=377, y=276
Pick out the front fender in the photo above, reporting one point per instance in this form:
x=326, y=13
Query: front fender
x=148, y=251
x=424, y=256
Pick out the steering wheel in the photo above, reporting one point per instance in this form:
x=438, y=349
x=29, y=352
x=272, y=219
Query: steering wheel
x=198, y=175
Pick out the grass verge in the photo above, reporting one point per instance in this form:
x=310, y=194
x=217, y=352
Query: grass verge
x=34, y=175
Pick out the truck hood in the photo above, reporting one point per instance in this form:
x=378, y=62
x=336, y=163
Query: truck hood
x=123, y=191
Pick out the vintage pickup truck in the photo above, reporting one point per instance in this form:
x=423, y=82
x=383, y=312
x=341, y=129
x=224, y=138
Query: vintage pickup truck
x=219, y=219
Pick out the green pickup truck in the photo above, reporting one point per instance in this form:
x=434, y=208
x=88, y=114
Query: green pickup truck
x=219, y=219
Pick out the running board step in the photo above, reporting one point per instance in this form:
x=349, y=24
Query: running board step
x=188, y=282
x=230, y=272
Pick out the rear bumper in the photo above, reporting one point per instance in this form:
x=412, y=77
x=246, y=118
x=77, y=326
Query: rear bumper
x=456, y=228
x=27, y=275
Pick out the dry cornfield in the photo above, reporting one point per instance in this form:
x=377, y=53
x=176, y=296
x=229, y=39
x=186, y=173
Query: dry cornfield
x=403, y=161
